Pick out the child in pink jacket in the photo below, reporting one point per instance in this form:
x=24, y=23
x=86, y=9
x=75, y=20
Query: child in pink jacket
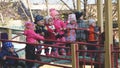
x=61, y=26
x=31, y=38
x=58, y=22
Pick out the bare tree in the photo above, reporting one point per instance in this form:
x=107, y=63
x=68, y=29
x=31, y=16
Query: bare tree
x=73, y=4
x=19, y=2
x=85, y=5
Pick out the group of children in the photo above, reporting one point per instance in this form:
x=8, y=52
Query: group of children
x=52, y=27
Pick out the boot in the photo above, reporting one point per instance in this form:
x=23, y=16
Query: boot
x=47, y=54
x=56, y=54
x=69, y=53
x=63, y=53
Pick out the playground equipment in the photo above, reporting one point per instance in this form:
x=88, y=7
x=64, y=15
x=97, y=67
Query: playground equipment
x=110, y=51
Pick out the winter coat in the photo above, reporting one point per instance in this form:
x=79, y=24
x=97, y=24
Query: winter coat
x=51, y=32
x=32, y=37
x=71, y=34
x=60, y=24
x=7, y=53
x=81, y=34
x=41, y=30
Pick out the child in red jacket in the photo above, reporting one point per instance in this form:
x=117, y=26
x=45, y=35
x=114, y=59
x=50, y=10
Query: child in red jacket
x=51, y=28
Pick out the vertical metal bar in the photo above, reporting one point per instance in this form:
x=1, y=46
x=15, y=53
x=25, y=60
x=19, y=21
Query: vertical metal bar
x=75, y=56
x=116, y=59
x=108, y=33
x=100, y=14
x=112, y=58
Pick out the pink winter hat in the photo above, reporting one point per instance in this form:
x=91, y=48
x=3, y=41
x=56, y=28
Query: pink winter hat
x=29, y=25
x=53, y=12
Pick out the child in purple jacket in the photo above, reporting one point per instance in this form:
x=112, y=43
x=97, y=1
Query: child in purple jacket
x=71, y=33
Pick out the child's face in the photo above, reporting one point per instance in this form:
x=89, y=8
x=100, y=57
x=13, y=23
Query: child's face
x=50, y=21
x=57, y=16
x=73, y=22
x=41, y=23
x=93, y=24
x=11, y=49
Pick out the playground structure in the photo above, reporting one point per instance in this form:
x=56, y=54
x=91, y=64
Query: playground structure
x=80, y=63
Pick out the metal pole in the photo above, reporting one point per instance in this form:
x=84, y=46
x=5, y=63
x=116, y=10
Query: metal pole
x=108, y=33
x=78, y=5
x=75, y=56
x=100, y=14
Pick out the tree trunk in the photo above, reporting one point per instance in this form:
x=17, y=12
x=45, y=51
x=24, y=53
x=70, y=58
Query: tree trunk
x=85, y=5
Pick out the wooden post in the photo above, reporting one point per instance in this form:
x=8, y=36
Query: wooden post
x=108, y=33
x=78, y=5
x=75, y=56
x=118, y=9
x=100, y=14
x=47, y=8
x=9, y=31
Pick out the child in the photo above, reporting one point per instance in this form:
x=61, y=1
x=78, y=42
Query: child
x=40, y=29
x=51, y=28
x=8, y=51
x=40, y=26
x=31, y=38
x=81, y=35
x=58, y=22
x=71, y=33
x=61, y=26
x=91, y=36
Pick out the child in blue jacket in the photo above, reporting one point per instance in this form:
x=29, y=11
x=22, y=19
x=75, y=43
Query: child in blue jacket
x=8, y=50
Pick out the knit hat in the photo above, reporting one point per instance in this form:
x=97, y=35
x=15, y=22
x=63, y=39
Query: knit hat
x=71, y=17
x=38, y=18
x=47, y=18
x=29, y=25
x=7, y=45
x=91, y=21
x=53, y=12
x=78, y=14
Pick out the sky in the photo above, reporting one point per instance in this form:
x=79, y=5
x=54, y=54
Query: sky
x=69, y=2
x=54, y=1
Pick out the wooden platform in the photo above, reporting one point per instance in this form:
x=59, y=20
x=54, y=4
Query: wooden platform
x=49, y=66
